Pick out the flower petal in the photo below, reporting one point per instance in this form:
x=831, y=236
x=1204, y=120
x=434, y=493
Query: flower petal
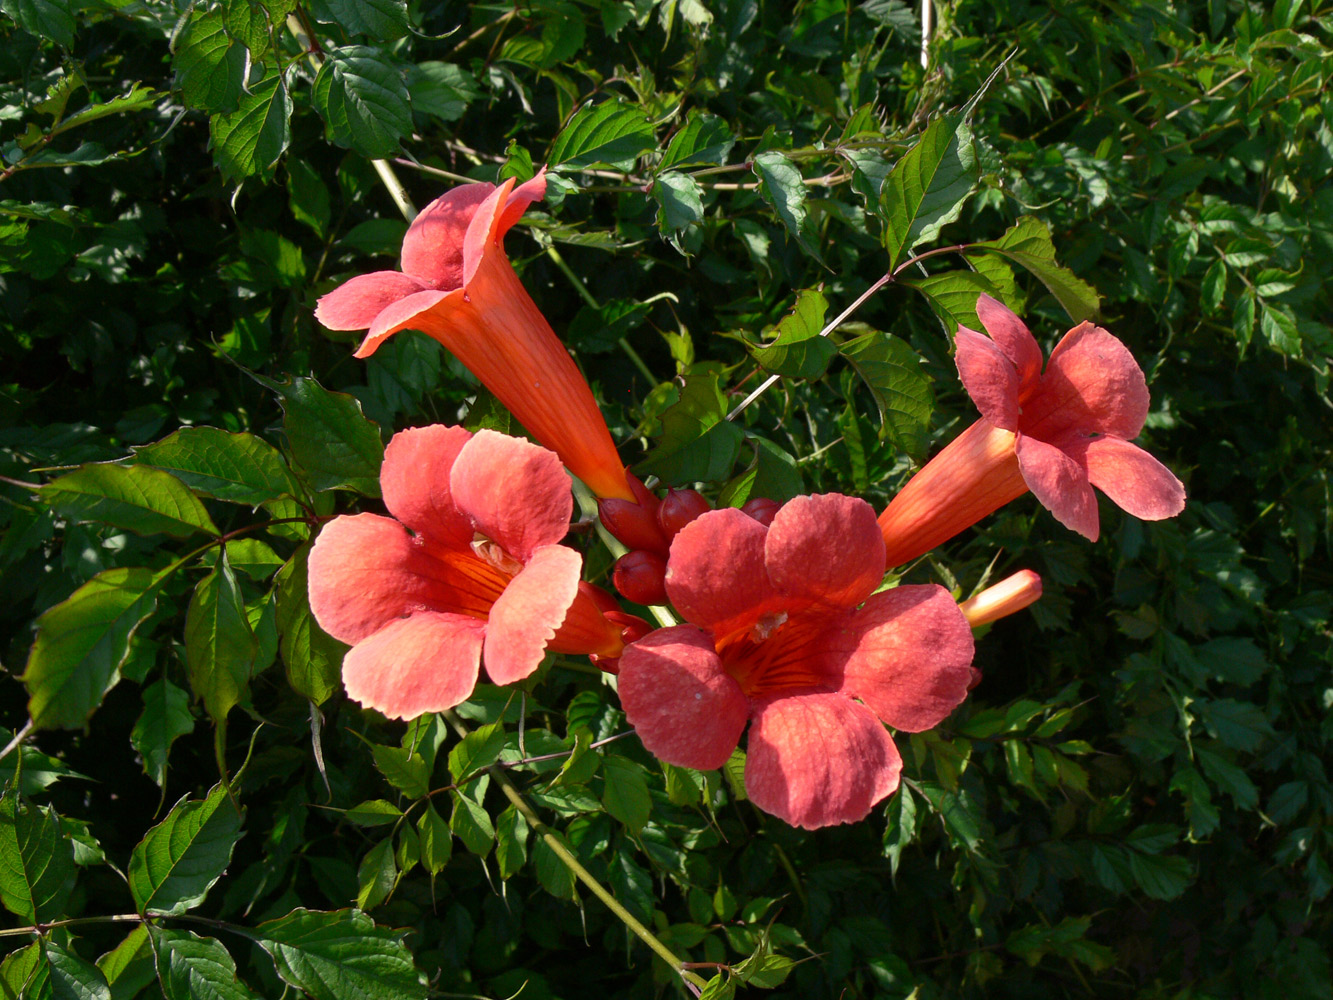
x=1135, y=481
x=1092, y=384
x=417, y=311
x=716, y=573
x=907, y=654
x=989, y=377
x=483, y=231
x=686, y=709
x=415, y=482
x=818, y=759
x=516, y=493
x=425, y=663
x=825, y=548
x=1011, y=335
x=519, y=199
x=525, y=617
x=354, y=304
x=433, y=246
x=1060, y=484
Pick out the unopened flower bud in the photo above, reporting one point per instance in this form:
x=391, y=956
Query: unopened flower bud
x=679, y=508
x=633, y=524
x=1012, y=594
x=640, y=576
x=762, y=510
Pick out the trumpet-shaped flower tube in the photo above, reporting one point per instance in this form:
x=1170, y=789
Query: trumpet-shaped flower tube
x=468, y=570
x=786, y=634
x=1057, y=433
x=1008, y=597
x=457, y=286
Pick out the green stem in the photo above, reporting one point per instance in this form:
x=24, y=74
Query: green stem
x=587, y=297
x=396, y=190
x=582, y=874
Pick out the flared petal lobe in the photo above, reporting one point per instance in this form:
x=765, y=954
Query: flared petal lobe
x=419, y=311
x=907, y=655
x=1135, y=481
x=1060, y=484
x=684, y=706
x=425, y=663
x=415, y=482
x=433, y=246
x=817, y=759
x=1092, y=385
x=525, y=617
x=989, y=378
x=825, y=549
x=515, y=493
x=354, y=304
x=1011, y=336
x=717, y=574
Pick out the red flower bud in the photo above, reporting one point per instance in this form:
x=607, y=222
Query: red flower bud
x=633, y=524
x=762, y=510
x=680, y=508
x=641, y=577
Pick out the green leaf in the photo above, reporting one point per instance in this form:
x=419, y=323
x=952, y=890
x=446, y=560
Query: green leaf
x=138, y=498
x=219, y=643
x=82, y=643
x=254, y=22
x=165, y=718
x=363, y=100
x=768, y=972
x=330, y=436
x=53, y=19
x=406, y=771
x=697, y=443
x=209, y=65
x=1160, y=876
x=797, y=350
x=476, y=751
x=611, y=133
x=928, y=186
x=511, y=842
x=596, y=330
x=437, y=841
x=901, y=830
x=25, y=974
x=720, y=987
x=680, y=202
x=1213, y=288
x=901, y=390
x=625, y=795
x=312, y=657
x=35, y=769
x=36, y=861
x=308, y=196
x=130, y=966
x=374, y=812
x=953, y=295
x=776, y=474
x=1228, y=777
x=341, y=955
x=442, y=89
x=704, y=138
x=1241, y=725
x=190, y=967
x=240, y=468
x=552, y=873
x=72, y=978
x=781, y=186
x=957, y=811
x=1028, y=244
x=249, y=141
x=382, y=19
x=376, y=875
x=177, y=862
x=472, y=825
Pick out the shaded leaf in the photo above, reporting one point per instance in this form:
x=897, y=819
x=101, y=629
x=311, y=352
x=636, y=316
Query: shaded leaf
x=612, y=133
x=901, y=390
x=781, y=186
x=220, y=646
x=165, y=718
x=704, y=138
x=330, y=436
x=191, y=967
x=928, y=186
x=363, y=100
x=53, y=19
x=312, y=657
x=1028, y=244
x=382, y=19
x=36, y=861
x=697, y=443
x=209, y=65
x=625, y=794
x=177, y=862
x=138, y=498
x=797, y=350
x=237, y=467
x=341, y=955
x=249, y=141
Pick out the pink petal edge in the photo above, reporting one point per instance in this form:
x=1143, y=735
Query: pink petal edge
x=425, y=663
x=716, y=574
x=433, y=245
x=526, y=616
x=415, y=482
x=1012, y=337
x=825, y=548
x=1060, y=484
x=355, y=303
x=989, y=377
x=1135, y=481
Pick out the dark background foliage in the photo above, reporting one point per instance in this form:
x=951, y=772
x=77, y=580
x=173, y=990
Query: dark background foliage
x=1135, y=800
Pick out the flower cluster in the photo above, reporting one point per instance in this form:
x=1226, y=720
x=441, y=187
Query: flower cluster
x=788, y=629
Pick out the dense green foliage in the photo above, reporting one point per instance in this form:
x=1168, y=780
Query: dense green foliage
x=1133, y=803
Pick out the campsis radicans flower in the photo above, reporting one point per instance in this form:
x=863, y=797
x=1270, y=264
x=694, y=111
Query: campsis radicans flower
x=468, y=570
x=457, y=286
x=1057, y=433
x=786, y=634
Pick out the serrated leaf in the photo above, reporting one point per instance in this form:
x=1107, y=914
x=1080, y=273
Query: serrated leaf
x=697, y=443
x=780, y=185
x=704, y=138
x=341, y=955
x=373, y=812
x=476, y=751
x=363, y=100
x=36, y=770
x=177, y=862
x=443, y=90
x=240, y=468
x=209, y=65
x=190, y=967
x=36, y=861
x=437, y=840
x=679, y=202
x=511, y=842
x=25, y=975
x=406, y=771
x=53, y=19
x=220, y=645
x=472, y=825
x=1160, y=876
x=376, y=875
x=382, y=19
x=720, y=987
x=308, y=196
x=928, y=186
x=138, y=498
x=253, y=22
x=901, y=390
x=1241, y=725
x=137, y=99
x=72, y=978
x=312, y=657
x=953, y=295
x=611, y=133
x=249, y=141
x=330, y=436
x=129, y=967
x=1214, y=286
x=82, y=643
x=625, y=794
x=165, y=718
x=553, y=874
x=1028, y=244
x=797, y=350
